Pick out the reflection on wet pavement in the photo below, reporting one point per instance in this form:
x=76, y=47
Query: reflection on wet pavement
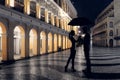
x=105, y=64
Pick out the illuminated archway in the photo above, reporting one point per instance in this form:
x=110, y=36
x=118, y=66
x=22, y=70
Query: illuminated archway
x=63, y=42
x=59, y=43
x=55, y=42
x=42, y=42
x=19, y=42
x=69, y=44
x=33, y=42
x=66, y=43
x=49, y=42
x=3, y=43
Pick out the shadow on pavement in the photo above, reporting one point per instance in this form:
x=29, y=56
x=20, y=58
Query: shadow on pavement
x=104, y=76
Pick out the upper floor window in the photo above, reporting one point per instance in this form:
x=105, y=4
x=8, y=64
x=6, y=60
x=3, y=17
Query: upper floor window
x=111, y=24
x=43, y=14
x=49, y=17
x=111, y=33
x=19, y=5
x=117, y=32
x=33, y=9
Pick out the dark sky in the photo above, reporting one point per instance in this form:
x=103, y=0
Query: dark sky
x=90, y=8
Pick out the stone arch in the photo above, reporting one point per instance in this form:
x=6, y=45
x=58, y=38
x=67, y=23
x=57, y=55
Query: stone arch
x=33, y=42
x=3, y=42
x=55, y=43
x=50, y=42
x=42, y=42
x=19, y=42
x=64, y=42
x=59, y=41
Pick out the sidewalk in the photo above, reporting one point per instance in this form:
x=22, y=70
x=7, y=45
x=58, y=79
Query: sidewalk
x=105, y=66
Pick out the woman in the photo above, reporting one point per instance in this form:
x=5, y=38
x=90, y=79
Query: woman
x=72, y=51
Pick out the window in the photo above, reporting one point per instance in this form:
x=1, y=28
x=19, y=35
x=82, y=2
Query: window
x=49, y=17
x=33, y=9
x=43, y=14
x=111, y=24
x=111, y=33
x=19, y=5
x=116, y=31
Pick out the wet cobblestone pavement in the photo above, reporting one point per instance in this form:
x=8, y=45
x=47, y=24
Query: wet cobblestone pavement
x=105, y=64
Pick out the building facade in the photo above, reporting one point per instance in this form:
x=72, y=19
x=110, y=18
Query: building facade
x=106, y=30
x=34, y=27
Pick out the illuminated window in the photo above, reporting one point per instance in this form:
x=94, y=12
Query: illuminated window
x=43, y=14
x=33, y=9
x=49, y=17
x=55, y=17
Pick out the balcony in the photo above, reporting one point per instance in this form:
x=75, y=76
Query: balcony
x=33, y=13
x=19, y=6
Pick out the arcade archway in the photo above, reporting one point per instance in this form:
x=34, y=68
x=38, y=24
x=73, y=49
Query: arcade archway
x=42, y=42
x=33, y=42
x=3, y=42
x=59, y=42
x=64, y=42
x=55, y=42
x=19, y=42
x=49, y=42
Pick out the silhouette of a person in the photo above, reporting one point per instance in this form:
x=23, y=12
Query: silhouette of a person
x=80, y=41
x=86, y=44
x=72, y=51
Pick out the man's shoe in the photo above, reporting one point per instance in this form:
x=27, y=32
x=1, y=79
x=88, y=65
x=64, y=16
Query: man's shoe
x=65, y=69
x=73, y=70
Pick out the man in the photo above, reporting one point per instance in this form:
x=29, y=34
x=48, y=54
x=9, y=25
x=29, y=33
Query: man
x=86, y=44
x=72, y=51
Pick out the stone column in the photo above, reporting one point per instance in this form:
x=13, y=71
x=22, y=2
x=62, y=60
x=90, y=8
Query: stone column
x=10, y=40
x=46, y=15
x=38, y=43
x=27, y=42
x=46, y=42
x=38, y=11
x=27, y=7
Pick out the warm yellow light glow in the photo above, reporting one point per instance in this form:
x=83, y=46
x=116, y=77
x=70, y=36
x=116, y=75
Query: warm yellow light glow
x=83, y=35
x=12, y=3
x=0, y=30
x=42, y=43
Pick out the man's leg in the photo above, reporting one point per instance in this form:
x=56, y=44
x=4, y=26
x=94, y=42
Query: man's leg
x=88, y=64
x=73, y=60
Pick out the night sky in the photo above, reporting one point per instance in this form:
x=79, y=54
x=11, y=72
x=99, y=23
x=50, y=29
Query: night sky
x=90, y=8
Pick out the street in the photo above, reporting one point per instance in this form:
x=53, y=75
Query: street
x=105, y=64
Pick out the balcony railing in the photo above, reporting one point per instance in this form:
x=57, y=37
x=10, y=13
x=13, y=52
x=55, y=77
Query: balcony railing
x=42, y=14
x=32, y=13
x=19, y=6
x=33, y=9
